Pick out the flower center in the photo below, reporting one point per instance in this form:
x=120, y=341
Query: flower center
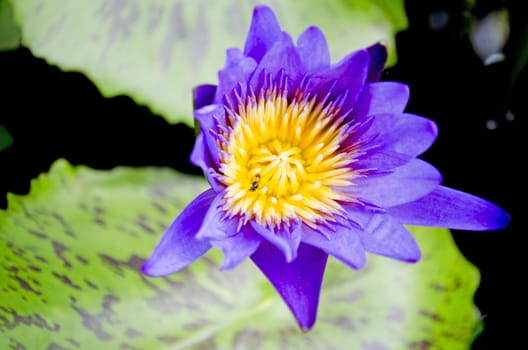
x=286, y=160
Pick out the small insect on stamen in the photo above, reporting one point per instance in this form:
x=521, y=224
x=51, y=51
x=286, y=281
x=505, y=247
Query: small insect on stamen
x=255, y=183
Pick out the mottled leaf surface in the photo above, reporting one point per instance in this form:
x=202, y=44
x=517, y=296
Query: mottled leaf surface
x=70, y=252
x=156, y=51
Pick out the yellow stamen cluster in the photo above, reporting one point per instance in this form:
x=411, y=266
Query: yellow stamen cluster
x=284, y=160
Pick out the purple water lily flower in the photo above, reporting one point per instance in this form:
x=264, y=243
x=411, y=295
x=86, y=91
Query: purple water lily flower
x=308, y=159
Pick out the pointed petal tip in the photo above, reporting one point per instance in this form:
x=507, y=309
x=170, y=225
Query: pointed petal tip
x=361, y=264
x=262, y=9
x=306, y=329
x=501, y=220
x=410, y=258
x=226, y=266
x=151, y=269
x=379, y=47
x=203, y=95
x=313, y=49
x=305, y=322
x=413, y=259
x=378, y=57
x=414, y=253
x=314, y=29
x=264, y=31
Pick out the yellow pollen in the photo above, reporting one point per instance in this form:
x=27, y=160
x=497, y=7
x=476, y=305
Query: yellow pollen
x=284, y=161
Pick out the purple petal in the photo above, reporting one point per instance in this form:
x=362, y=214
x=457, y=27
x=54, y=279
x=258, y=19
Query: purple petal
x=298, y=282
x=264, y=31
x=203, y=95
x=238, y=247
x=215, y=224
x=344, y=244
x=380, y=159
x=213, y=179
x=383, y=235
x=407, y=183
x=237, y=69
x=449, y=208
x=378, y=57
x=205, y=152
x=282, y=57
x=200, y=155
x=286, y=239
x=348, y=76
x=383, y=97
x=178, y=247
x=313, y=50
x=402, y=133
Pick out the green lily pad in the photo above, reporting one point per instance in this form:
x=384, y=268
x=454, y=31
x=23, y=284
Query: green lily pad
x=70, y=253
x=9, y=32
x=157, y=51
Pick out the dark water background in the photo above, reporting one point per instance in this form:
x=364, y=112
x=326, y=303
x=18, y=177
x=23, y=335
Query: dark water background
x=481, y=146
